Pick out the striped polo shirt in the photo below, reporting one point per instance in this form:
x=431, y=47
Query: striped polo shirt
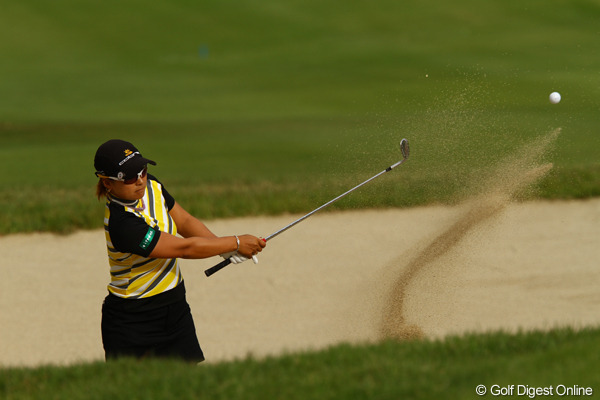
x=131, y=234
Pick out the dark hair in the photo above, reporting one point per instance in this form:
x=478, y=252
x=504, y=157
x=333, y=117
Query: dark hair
x=101, y=189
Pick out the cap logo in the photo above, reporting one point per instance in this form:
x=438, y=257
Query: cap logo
x=128, y=155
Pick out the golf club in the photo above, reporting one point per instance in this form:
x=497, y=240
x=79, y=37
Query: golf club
x=404, y=148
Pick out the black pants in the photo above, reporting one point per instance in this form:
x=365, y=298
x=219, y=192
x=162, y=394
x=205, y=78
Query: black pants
x=158, y=326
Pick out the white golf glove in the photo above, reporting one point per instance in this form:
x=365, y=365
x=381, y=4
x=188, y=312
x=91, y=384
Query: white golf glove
x=237, y=258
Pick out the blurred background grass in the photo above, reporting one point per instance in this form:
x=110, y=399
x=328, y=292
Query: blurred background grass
x=270, y=107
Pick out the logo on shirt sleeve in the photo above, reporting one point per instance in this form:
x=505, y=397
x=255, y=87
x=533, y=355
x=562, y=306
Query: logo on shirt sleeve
x=147, y=239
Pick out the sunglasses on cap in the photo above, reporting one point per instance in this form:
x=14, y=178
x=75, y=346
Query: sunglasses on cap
x=129, y=181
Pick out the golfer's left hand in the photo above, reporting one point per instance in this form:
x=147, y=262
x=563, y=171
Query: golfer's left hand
x=237, y=258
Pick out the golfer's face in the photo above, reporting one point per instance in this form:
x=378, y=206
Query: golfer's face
x=133, y=191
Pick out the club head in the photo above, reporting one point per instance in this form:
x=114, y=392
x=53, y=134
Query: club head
x=404, y=148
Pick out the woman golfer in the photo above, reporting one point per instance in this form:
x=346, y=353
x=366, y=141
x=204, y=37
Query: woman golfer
x=146, y=312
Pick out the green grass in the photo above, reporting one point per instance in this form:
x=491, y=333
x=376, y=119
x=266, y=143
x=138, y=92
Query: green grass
x=448, y=369
x=270, y=107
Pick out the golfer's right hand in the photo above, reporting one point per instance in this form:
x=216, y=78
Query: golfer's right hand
x=251, y=245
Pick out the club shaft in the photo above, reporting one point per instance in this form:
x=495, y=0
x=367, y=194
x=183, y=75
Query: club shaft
x=405, y=151
x=285, y=228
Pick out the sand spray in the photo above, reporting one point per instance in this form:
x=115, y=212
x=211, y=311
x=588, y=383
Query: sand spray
x=484, y=198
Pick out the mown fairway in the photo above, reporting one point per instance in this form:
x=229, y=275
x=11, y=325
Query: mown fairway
x=261, y=108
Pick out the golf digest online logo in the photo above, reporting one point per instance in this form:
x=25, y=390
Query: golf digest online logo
x=534, y=391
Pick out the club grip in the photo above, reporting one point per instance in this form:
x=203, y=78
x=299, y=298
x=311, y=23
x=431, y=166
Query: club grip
x=217, y=267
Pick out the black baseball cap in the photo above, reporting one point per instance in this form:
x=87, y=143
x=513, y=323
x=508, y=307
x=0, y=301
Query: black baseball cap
x=119, y=159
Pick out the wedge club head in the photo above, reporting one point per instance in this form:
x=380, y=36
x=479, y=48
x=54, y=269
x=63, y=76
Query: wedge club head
x=404, y=148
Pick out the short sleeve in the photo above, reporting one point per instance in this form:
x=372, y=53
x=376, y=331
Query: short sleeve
x=131, y=234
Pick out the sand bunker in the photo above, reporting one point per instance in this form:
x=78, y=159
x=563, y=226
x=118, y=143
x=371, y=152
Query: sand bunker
x=534, y=265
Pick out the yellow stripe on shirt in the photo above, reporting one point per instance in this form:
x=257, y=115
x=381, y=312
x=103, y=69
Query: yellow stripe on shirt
x=135, y=276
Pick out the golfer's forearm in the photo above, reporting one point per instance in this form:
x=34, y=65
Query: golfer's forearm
x=188, y=225
x=198, y=247
x=170, y=246
x=194, y=228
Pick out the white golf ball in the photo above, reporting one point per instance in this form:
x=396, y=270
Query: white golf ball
x=554, y=97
